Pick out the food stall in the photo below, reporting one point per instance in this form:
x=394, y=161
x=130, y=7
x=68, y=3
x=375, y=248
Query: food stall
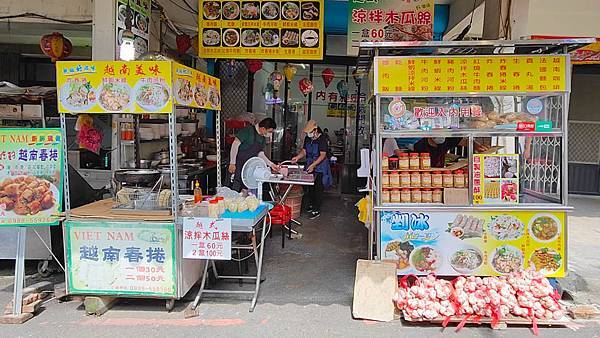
x=481, y=186
x=131, y=245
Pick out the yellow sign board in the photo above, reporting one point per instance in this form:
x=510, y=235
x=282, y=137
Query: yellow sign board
x=480, y=74
x=192, y=88
x=276, y=29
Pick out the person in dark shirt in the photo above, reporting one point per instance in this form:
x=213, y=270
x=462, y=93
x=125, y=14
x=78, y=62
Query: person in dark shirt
x=438, y=147
x=315, y=149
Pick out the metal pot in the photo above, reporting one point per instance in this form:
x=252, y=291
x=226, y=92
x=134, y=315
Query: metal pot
x=137, y=177
x=145, y=164
x=161, y=155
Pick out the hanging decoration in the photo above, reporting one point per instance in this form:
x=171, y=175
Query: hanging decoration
x=254, y=65
x=230, y=68
x=342, y=87
x=184, y=42
x=88, y=136
x=305, y=86
x=327, y=75
x=56, y=46
x=276, y=77
x=290, y=71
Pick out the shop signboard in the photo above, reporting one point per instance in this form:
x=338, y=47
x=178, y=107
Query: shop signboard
x=192, y=88
x=477, y=74
x=388, y=20
x=277, y=29
x=31, y=176
x=484, y=243
x=139, y=14
x=121, y=258
x=496, y=178
x=586, y=55
x=207, y=238
x=135, y=87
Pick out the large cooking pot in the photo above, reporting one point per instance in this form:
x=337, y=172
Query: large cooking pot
x=137, y=177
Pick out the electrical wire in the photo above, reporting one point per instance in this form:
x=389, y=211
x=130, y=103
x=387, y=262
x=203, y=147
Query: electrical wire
x=466, y=30
x=40, y=16
x=183, y=8
x=190, y=7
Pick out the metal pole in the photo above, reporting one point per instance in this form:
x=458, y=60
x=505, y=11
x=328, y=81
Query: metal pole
x=358, y=83
x=310, y=77
x=19, y=270
x=63, y=131
x=43, y=113
x=173, y=163
x=218, y=139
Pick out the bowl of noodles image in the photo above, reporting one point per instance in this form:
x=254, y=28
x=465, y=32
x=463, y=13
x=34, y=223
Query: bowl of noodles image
x=77, y=96
x=151, y=96
x=114, y=97
x=544, y=228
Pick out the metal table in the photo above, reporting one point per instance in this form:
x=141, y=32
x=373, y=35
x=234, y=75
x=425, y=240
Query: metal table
x=245, y=225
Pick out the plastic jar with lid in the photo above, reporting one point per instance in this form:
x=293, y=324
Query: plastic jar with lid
x=392, y=163
x=459, y=179
x=386, y=195
x=426, y=179
x=385, y=179
x=394, y=179
x=415, y=179
x=403, y=162
x=395, y=195
x=447, y=179
x=221, y=203
x=426, y=195
x=405, y=195
x=415, y=195
x=414, y=162
x=437, y=179
x=437, y=196
x=213, y=208
x=425, y=161
x=405, y=179
x=385, y=161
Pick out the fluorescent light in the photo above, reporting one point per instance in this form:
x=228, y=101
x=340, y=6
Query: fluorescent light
x=127, y=50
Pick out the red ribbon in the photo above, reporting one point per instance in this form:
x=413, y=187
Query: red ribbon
x=536, y=331
x=462, y=323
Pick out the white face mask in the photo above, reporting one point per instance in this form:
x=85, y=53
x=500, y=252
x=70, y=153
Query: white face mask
x=439, y=140
x=311, y=134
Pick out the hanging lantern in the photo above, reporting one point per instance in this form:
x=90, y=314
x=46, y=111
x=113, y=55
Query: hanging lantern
x=56, y=46
x=276, y=77
x=289, y=71
x=184, y=42
x=342, y=87
x=357, y=76
x=195, y=43
x=305, y=86
x=254, y=65
x=230, y=68
x=327, y=75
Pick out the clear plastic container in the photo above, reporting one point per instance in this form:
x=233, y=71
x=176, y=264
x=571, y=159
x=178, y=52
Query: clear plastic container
x=385, y=161
x=425, y=161
x=437, y=196
x=447, y=179
x=395, y=195
x=459, y=179
x=405, y=179
x=395, y=179
x=405, y=195
x=415, y=195
x=414, y=163
x=385, y=180
x=427, y=196
x=386, y=195
x=415, y=179
x=426, y=179
x=437, y=179
x=213, y=208
x=403, y=161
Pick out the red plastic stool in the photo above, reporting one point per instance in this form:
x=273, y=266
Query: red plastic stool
x=282, y=215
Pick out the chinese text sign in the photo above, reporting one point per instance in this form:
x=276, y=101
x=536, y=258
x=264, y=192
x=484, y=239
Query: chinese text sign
x=207, y=238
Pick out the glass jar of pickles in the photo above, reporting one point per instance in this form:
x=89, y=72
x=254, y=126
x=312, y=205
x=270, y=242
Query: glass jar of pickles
x=447, y=179
x=425, y=161
x=386, y=195
x=404, y=179
x=415, y=179
x=426, y=179
x=415, y=195
x=459, y=179
x=403, y=161
x=405, y=195
x=437, y=196
x=394, y=179
x=395, y=196
x=436, y=179
x=385, y=179
x=414, y=163
x=426, y=195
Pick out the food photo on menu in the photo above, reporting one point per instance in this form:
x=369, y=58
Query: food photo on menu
x=211, y=37
x=211, y=10
x=269, y=37
x=310, y=38
x=310, y=11
x=270, y=10
x=290, y=10
x=250, y=37
x=231, y=10
x=250, y=10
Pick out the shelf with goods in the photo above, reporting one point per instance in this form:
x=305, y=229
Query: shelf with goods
x=504, y=115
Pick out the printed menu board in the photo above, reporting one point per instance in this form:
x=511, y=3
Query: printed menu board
x=278, y=29
x=481, y=74
x=388, y=20
x=138, y=11
x=207, y=238
x=31, y=176
x=193, y=88
x=496, y=179
x=485, y=243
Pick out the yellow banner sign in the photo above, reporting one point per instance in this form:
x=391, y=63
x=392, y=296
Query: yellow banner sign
x=193, y=88
x=277, y=29
x=482, y=74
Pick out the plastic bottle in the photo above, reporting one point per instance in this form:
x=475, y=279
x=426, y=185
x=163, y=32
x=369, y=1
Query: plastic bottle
x=197, y=192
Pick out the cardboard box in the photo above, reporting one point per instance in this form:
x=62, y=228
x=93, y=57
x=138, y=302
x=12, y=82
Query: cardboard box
x=32, y=111
x=10, y=111
x=456, y=196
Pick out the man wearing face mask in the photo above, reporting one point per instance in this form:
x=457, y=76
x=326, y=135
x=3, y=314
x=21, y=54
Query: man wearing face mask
x=249, y=142
x=315, y=149
x=438, y=147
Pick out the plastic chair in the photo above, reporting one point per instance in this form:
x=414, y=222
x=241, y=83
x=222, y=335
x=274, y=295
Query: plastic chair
x=282, y=215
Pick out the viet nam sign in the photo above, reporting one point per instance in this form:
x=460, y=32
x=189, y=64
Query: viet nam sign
x=516, y=73
x=207, y=238
x=482, y=243
x=135, y=259
x=388, y=20
x=278, y=29
x=193, y=88
x=31, y=176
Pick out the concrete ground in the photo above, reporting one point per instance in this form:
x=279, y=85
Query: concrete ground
x=308, y=291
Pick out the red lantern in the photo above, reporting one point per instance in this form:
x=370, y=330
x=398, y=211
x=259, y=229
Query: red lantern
x=56, y=46
x=327, y=74
x=254, y=65
x=305, y=86
x=184, y=42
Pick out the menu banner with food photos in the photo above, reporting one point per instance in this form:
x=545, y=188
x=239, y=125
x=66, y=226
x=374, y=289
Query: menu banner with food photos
x=480, y=243
x=31, y=176
x=496, y=179
x=388, y=20
x=138, y=14
x=192, y=88
x=134, y=87
x=278, y=29
x=480, y=74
